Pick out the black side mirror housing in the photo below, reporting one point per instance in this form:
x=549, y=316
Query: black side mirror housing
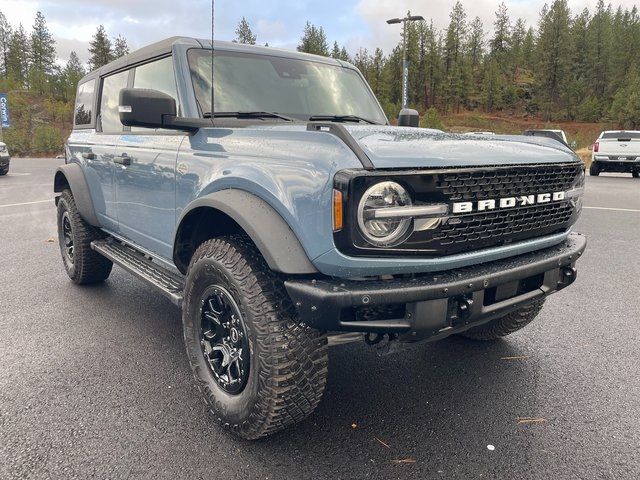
x=408, y=117
x=141, y=107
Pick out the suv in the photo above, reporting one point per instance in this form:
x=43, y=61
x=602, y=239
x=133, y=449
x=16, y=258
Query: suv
x=4, y=159
x=616, y=151
x=295, y=217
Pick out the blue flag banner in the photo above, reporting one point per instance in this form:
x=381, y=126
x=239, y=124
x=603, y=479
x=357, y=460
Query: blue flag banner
x=4, y=111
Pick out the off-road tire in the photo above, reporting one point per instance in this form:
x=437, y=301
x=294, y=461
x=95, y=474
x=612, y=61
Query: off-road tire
x=87, y=266
x=288, y=360
x=594, y=170
x=506, y=325
x=4, y=171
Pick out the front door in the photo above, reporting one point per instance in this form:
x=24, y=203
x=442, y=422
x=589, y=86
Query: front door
x=146, y=174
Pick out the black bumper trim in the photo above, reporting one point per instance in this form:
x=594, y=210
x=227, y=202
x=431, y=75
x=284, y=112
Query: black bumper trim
x=436, y=305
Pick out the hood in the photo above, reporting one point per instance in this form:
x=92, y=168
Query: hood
x=406, y=147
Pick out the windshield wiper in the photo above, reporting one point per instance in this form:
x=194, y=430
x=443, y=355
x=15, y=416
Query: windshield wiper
x=248, y=115
x=341, y=118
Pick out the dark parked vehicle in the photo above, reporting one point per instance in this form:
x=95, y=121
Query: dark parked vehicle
x=558, y=135
x=5, y=159
x=284, y=214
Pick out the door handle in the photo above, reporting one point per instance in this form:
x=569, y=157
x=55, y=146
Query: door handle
x=123, y=159
x=88, y=155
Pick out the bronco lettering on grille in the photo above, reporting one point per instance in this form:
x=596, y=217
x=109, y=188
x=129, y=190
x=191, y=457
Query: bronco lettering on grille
x=507, y=202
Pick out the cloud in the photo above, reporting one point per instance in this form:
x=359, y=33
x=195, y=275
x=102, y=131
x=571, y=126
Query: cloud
x=354, y=23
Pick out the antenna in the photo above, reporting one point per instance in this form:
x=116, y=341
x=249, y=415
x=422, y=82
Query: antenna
x=213, y=26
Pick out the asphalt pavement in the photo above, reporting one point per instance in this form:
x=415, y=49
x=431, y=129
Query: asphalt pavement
x=94, y=381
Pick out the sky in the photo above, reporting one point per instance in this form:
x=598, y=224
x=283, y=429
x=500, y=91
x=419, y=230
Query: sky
x=353, y=23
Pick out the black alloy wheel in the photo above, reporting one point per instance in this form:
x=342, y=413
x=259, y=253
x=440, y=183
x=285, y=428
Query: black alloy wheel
x=223, y=340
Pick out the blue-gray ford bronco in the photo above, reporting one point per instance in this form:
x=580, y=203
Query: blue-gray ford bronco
x=274, y=203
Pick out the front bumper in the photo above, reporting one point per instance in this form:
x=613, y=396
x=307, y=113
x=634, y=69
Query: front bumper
x=434, y=306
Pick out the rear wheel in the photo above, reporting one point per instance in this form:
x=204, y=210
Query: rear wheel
x=506, y=325
x=83, y=265
x=260, y=370
x=594, y=170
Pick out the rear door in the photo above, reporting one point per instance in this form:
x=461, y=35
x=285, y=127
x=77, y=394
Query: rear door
x=99, y=156
x=146, y=187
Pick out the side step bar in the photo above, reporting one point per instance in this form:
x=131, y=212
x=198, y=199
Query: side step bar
x=168, y=283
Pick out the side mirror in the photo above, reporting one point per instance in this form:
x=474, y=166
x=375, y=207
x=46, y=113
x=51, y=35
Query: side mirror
x=408, y=117
x=140, y=107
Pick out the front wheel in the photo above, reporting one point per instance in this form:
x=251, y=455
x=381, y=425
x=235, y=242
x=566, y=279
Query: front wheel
x=4, y=171
x=636, y=173
x=507, y=324
x=260, y=370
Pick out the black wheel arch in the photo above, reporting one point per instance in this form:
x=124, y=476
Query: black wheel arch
x=237, y=211
x=72, y=177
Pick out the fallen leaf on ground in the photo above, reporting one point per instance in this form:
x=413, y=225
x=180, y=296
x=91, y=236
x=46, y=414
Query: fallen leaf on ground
x=50, y=240
x=382, y=443
x=516, y=357
x=401, y=461
x=530, y=420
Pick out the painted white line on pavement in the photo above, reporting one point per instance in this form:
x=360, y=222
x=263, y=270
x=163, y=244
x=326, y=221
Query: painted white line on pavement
x=614, y=209
x=26, y=203
x=18, y=174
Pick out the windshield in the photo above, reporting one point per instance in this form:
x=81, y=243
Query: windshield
x=301, y=89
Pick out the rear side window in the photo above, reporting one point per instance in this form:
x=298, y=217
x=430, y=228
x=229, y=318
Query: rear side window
x=109, y=116
x=83, y=114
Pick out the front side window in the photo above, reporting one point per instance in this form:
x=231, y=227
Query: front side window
x=84, y=103
x=109, y=115
x=158, y=76
x=297, y=88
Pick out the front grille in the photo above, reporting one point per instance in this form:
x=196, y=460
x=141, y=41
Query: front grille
x=476, y=230
x=496, y=183
x=498, y=227
x=488, y=227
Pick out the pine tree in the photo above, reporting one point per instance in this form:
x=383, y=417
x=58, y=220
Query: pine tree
x=244, y=33
x=100, y=50
x=43, y=55
x=456, y=80
x=553, y=47
x=501, y=42
x=518, y=36
x=314, y=41
x=5, y=37
x=120, y=47
x=339, y=53
x=71, y=74
x=17, y=65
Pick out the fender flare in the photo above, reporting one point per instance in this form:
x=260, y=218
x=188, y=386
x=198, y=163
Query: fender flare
x=273, y=236
x=72, y=174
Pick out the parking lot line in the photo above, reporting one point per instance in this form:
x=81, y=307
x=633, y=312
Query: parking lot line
x=614, y=209
x=26, y=203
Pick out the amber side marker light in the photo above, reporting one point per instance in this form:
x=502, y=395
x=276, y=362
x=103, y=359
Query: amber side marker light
x=337, y=211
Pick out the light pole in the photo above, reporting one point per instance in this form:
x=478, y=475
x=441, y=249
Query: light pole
x=405, y=62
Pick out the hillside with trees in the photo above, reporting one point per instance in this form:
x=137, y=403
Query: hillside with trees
x=576, y=67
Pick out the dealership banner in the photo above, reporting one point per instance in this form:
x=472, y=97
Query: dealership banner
x=4, y=111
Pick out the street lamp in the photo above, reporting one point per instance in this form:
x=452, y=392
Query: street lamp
x=405, y=63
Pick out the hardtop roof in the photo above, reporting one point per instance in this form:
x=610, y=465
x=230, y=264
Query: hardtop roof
x=163, y=47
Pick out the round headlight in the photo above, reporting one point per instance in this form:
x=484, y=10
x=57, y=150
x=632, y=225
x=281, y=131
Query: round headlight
x=383, y=232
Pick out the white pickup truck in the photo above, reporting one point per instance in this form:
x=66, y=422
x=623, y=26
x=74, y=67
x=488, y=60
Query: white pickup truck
x=616, y=151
